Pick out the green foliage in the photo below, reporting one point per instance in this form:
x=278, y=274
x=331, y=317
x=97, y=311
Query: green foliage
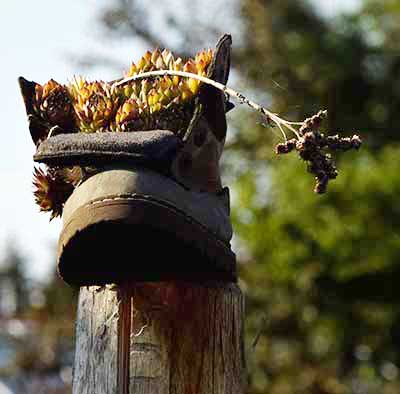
x=319, y=271
x=37, y=329
x=308, y=270
x=345, y=231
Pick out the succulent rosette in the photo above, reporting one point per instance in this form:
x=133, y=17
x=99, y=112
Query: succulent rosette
x=148, y=103
x=52, y=103
x=52, y=187
x=94, y=103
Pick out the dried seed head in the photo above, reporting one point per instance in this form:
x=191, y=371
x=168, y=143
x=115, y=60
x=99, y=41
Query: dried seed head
x=286, y=147
x=311, y=124
x=312, y=146
x=356, y=142
x=281, y=149
x=309, y=140
x=322, y=184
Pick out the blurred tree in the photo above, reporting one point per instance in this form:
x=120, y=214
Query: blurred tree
x=329, y=262
x=14, y=285
x=171, y=24
x=36, y=329
x=60, y=299
x=321, y=270
x=318, y=272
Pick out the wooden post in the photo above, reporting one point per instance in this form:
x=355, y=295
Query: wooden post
x=96, y=349
x=160, y=337
x=173, y=325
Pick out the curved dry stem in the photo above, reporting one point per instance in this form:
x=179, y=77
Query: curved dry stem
x=270, y=116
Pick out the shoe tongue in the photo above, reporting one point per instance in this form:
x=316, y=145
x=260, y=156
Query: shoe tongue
x=212, y=100
x=220, y=66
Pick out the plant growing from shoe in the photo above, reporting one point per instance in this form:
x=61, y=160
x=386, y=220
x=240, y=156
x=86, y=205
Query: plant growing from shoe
x=160, y=92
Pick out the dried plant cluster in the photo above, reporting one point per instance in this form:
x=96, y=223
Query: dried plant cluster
x=159, y=93
x=312, y=147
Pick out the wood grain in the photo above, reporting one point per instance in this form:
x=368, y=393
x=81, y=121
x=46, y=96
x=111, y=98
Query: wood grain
x=95, y=365
x=185, y=338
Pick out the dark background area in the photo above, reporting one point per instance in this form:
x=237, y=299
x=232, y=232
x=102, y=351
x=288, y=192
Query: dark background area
x=319, y=273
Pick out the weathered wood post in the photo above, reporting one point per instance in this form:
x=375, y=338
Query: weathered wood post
x=164, y=338
x=146, y=234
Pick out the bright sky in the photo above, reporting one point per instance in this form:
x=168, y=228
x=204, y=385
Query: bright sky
x=37, y=40
x=331, y=7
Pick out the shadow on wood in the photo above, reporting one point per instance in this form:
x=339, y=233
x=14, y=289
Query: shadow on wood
x=174, y=338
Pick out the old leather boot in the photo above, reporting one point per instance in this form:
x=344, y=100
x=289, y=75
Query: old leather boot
x=151, y=206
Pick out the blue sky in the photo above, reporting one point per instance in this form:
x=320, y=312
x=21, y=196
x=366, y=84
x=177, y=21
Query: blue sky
x=37, y=41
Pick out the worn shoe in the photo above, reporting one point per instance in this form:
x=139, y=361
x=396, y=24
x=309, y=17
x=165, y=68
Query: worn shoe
x=152, y=206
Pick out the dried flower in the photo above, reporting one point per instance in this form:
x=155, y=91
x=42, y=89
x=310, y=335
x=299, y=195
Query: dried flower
x=312, y=146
